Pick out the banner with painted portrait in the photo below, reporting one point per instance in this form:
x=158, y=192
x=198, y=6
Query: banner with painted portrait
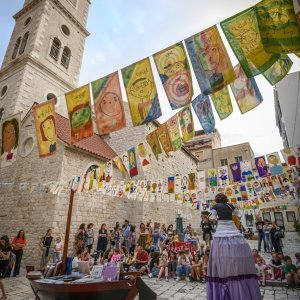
x=153, y=142
x=175, y=75
x=223, y=177
x=290, y=157
x=144, y=157
x=274, y=163
x=171, y=184
x=108, y=104
x=201, y=179
x=245, y=91
x=10, y=136
x=80, y=113
x=118, y=162
x=125, y=160
x=278, y=70
x=212, y=176
x=133, y=169
x=174, y=132
x=210, y=60
x=222, y=103
x=203, y=110
x=186, y=123
x=141, y=92
x=236, y=171
x=164, y=138
x=246, y=170
x=278, y=26
x=45, y=126
x=108, y=173
x=261, y=166
x=243, y=35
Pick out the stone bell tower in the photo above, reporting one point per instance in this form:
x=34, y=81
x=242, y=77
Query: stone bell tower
x=44, y=54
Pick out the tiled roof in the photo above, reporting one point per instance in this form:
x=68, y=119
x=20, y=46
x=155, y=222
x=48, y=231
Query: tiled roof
x=94, y=144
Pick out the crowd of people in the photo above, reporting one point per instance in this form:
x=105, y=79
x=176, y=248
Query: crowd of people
x=150, y=252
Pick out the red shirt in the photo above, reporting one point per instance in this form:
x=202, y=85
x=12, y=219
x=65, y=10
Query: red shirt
x=18, y=241
x=143, y=256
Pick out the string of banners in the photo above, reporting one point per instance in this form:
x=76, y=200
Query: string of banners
x=267, y=187
x=259, y=39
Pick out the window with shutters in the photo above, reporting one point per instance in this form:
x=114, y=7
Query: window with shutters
x=65, y=58
x=23, y=43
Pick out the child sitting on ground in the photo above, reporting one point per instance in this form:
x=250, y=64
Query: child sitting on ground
x=261, y=272
x=154, y=264
x=290, y=272
x=163, y=267
x=276, y=266
x=172, y=264
x=196, y=268
x=204, y=266
x=116, y=257
x=129, y=261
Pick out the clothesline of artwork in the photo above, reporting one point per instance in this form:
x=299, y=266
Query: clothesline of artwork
x=259, y=41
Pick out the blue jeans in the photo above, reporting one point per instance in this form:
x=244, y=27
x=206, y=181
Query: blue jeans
x=268, y=242
x=261, y=237
x=180, y=270
x=56, y=257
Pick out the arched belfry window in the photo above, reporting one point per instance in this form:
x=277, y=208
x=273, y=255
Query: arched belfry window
x=55, y=48
x=65, y=58
x=24, y=42
x=16, y=48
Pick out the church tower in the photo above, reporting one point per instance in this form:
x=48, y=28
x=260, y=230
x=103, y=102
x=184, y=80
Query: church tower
x=43, y=58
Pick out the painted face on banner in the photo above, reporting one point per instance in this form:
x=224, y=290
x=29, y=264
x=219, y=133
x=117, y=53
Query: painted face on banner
x=48, y=129
x=110, y=104
x=141, y=149
x=141, y=88
x=9, y=137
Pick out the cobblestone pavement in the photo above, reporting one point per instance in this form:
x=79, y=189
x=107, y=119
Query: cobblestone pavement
x=19, y=288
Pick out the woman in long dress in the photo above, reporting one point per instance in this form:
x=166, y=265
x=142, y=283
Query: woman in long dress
x=231, y=271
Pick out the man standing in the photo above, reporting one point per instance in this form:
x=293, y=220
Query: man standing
x=261, y=235
x=126, y=234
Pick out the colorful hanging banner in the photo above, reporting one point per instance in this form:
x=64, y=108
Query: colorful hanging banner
x=133, y=170
x=246, y=169
x=212, y=175
x=243, y=35
x=108, y=104
x=222, y=103
x=274, y=163
x=101, y=177
x=174, y=132
x=108, y=173
x=171, y=185
x=236, y=171
x=186, y=123
x=223, y=177
x=44, y=120
x=118, y=162
x=80, y=113
x=278, y=26
x=164, y=138
x=10, y=136
x=125, y=160
x=153, y=142
x=289, y=156
x=278, y=70
x=210, y=60
x=192, y=181
x=143, y=156
x=174, y=72
x=261, y=166
x=201, y=179
x=141, y=92
x=245, y=91
x=203, y=110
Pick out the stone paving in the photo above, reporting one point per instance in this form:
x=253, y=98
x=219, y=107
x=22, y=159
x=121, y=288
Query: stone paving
x=19, y=288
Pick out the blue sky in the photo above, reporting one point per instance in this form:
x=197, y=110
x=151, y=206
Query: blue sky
x=123, y=32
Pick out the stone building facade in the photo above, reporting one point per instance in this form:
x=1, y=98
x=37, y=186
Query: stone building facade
x=30, y=76
x=202, y=145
